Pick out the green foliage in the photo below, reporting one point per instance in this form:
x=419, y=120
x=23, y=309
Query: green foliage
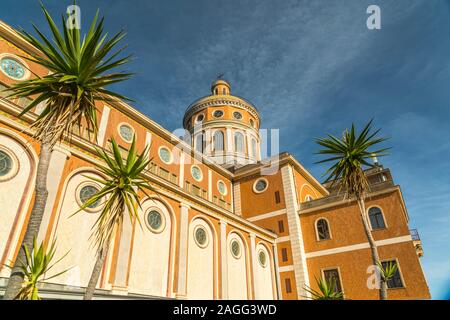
x=388, y=272
x=119, y=193
x=78, y=76
x=327, y=290
x=37, y=263
x=349, y=155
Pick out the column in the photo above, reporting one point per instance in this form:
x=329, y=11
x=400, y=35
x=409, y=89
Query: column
x=102, y=127
x=223, y=259
x=56, y=167
x=120, y=282
x=182, y=254
x=276, y=271
x=295, y=232
x=253, y=281
x=237, y=198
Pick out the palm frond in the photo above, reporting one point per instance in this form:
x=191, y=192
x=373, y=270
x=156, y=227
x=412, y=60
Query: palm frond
x=122, y=182
x=78, y=76
x=349, y=155
x=37, y=264
x=326, y=290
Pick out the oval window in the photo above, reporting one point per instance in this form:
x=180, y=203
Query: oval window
x=222, y=188
x=8, y=165
x=200, y=118
x=155, y=221
x=126, y=132
x=260, y=185
x=165, y=155
x=237, y=115
x=218, y=114
x=86, y=192
x=196, y=173
x=201, y=237
x=13, y=68
x=262, y=258
x=235, y=249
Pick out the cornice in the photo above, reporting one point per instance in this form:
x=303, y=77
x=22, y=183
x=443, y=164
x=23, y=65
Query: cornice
x=84, y=150
x=215, y=101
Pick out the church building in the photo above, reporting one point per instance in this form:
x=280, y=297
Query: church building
x=225, y=223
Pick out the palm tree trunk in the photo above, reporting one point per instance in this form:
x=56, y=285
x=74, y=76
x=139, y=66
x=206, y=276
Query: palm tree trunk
x=34, y=223
x=373, y=246
x=101, y=257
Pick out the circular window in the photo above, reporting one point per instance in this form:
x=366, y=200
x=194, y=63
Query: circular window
x=235, y=249
x=201, y=237
x=218, y=114
x=196, y=173
x=252, y=122
x=237, y=115
x=200, y=118
x=155, y=221
x=126, y=132
x=165, y=155
x=13, y=68
x=260, y=185
x=86, y=192
x=262, y=258
x=222, y=187
x=9, y=164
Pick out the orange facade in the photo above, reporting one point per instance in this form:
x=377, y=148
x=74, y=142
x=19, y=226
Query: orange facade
x=275, y=214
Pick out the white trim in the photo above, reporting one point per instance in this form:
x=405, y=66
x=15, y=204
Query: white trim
x=210, y=196
x=283, y=239
x=358, y=246
x=237, y=198
x=102, y=127
x=267, y=215
x=286, y=268
x=295, y=231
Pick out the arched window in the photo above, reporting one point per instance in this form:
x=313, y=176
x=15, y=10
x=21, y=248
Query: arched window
x=254, y=148
x=376, y=218
x=323, y=230
x=239, y=142
x=199, y=142
x=218, y=141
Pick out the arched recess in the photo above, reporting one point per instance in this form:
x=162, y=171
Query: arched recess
x=237, y=268
x=264, y=287
x=152, y=249
x=16, y=192
x=72, y=232
x=305, y=190
x=201, y=262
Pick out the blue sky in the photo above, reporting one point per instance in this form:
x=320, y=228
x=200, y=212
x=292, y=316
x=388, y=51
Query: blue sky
x=311, y=68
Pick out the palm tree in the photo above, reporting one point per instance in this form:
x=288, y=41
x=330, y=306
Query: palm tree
x=37, y=263
x=119, y=194
x=78, y=77
x=327, y=290
x=349, y=155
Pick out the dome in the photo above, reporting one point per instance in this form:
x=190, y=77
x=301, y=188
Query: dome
x=223, y=126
